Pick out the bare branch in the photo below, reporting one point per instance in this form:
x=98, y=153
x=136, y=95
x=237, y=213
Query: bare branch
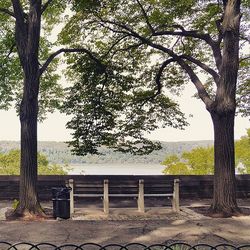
x=8, y=12
x=202, y=65
x=146, y=17
x=76, y=50
x=45, y=6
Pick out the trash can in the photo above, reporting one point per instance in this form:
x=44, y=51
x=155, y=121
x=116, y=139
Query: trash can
x=61, y=202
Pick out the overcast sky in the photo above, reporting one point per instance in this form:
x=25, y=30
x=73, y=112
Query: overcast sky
x=53, y=129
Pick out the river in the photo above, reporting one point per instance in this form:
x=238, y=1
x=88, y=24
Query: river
x=116, y=169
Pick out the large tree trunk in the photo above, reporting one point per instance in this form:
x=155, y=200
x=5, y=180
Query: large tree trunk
x=224, y=197
x=27, y=37
x=223, y=112
x=28, y=198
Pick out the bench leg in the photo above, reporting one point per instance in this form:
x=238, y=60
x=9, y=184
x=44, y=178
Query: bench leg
x=71, y=196
x=140, y=201
x=106, y=196
x=176, y=196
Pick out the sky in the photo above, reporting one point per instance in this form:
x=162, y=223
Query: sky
x=200, y=128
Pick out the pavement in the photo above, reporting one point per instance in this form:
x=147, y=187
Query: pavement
x=126, y=225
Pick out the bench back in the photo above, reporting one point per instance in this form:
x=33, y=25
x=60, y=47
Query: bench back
x=159, y=187
x=90, y=187
x=125, y=186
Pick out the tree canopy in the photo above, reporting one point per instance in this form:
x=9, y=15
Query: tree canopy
x=149, y=50
x=11, y=76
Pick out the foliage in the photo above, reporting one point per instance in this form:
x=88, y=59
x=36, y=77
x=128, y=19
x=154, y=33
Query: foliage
x=149, y=50
x=242, y=152
x=11, y=76
x=115, y=110
x=10, y=164
x=198, y=161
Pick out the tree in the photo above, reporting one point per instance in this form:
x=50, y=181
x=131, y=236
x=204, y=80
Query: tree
x=161, y=45
x=10, y=164
x=242, y=153
x=24, y=43
x=198, y=161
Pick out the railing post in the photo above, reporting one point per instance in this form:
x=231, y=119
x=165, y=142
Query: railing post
x=176, y=196
x=140, y=201
x=71, y=196
x=106, y=196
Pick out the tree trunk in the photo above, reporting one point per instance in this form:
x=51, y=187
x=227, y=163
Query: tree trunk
x=27, y=36
x=223, y=112
x=224, y=197
x=28, y=198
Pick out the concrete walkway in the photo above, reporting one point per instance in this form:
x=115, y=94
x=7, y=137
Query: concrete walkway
x=157, y=225
x=212, y=231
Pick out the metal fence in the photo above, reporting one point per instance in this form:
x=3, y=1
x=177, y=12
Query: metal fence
x=131, y=246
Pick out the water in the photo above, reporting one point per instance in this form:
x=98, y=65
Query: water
x=116, y=169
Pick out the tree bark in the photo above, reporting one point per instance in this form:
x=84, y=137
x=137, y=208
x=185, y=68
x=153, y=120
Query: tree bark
x=223, y=112
x=224, y=198
x=27, y=35
x=28, y=198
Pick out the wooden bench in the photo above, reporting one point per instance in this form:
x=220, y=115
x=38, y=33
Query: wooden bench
x=138, y=189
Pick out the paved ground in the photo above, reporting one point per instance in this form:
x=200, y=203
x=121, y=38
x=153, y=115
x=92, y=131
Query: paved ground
x=125, y=225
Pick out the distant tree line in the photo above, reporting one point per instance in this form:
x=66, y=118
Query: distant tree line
x=10, y=164
x=200, y=160
x=59, y=153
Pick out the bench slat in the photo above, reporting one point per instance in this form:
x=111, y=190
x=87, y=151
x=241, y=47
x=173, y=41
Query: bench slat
x=123, y=195
x=88, y=195
x=158, y=195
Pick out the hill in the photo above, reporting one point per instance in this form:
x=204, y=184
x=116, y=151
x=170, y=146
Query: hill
x=58, y=152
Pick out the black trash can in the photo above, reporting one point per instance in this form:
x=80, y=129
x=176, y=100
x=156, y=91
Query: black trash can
x=61, y=202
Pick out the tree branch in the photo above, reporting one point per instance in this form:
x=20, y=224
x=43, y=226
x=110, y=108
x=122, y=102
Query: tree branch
x=185, y=33
x=114, y=44
x=21, y=30
x=76, y=50
x=45, y=6
x=244, y=58
x=194, y=78
x=8, y=12
x=146, y=17
x=159, y=74
x=215, y=45
x=209, y=70
x=18, y=12
x=197, y=83
x=9, y=53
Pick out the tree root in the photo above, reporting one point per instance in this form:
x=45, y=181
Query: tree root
x=224, y=212
x=24, y=214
